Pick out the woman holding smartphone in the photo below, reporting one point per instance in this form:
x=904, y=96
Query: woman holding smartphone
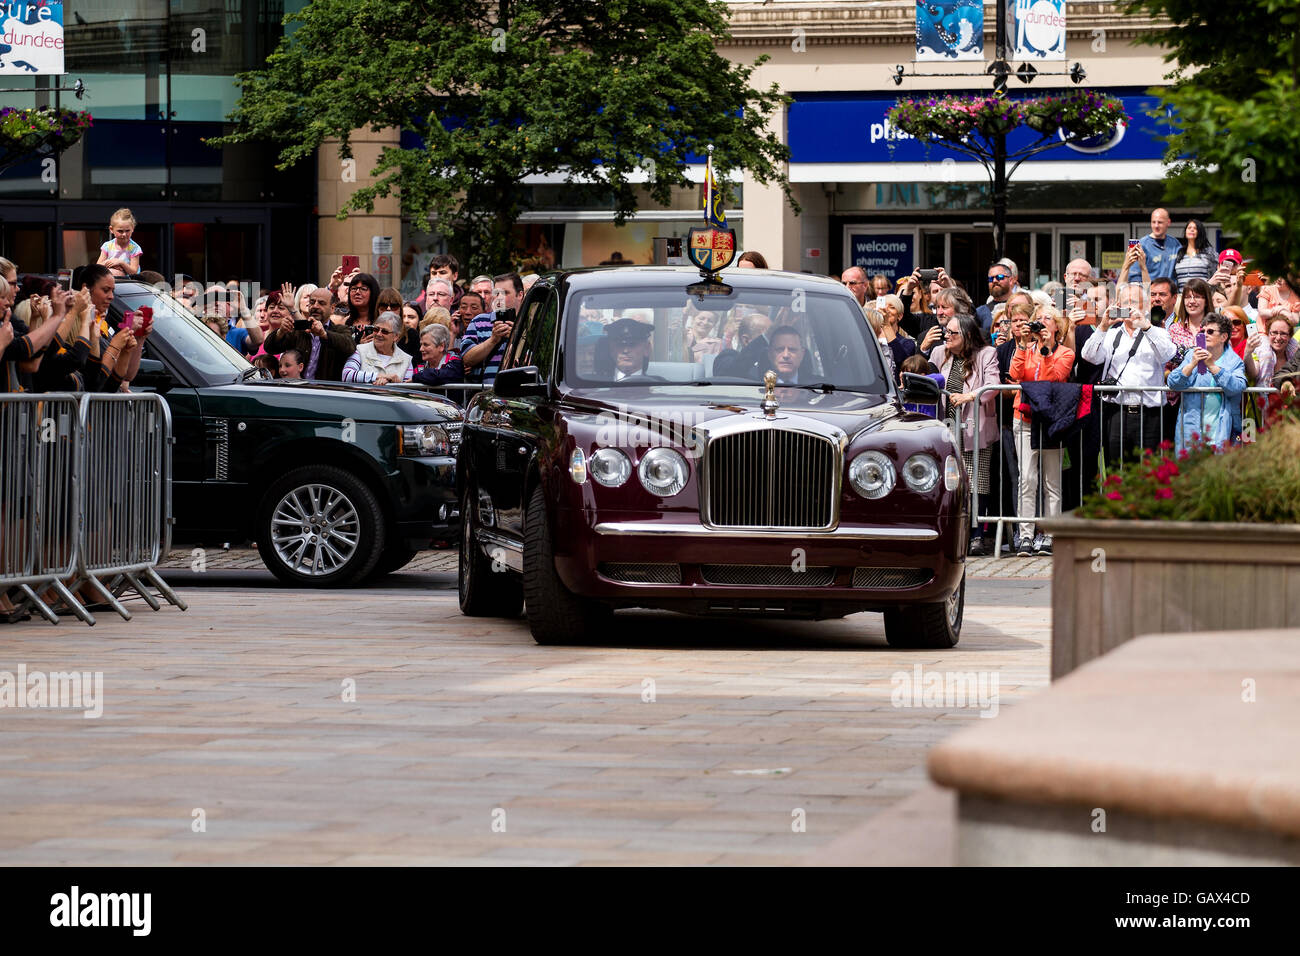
x=1193, y=306
x=1214, y=417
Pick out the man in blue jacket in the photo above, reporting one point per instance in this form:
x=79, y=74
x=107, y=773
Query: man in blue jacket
x=1161, y=249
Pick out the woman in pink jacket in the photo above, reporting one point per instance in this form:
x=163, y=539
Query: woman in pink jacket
x=968, y=362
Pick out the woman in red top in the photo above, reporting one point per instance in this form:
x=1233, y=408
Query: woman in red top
x=1040, y=357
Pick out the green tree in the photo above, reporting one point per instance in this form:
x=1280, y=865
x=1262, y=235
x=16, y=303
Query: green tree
x=1236, y=88
x=500, y=92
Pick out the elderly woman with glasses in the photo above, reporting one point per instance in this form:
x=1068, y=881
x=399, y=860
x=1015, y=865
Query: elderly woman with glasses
x=380, y=362
x=1214, y=417
x=968, y=363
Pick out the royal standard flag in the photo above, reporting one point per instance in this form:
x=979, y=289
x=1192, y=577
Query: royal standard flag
x=714, y=214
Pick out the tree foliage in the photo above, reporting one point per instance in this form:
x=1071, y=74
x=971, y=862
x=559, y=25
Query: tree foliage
x=497, y=92
x=1236, y=87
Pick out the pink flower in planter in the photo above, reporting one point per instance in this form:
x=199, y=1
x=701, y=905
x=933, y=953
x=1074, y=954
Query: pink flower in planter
x=1164, y=492
x=1114, y=496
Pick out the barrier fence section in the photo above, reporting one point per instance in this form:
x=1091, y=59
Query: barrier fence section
x=86, y=485
x=1026, y=483
x=38, y=494
x=458, y=392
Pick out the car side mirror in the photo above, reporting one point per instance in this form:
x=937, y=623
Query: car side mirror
x=519, y=382
x=920, y=389
x=152, y=375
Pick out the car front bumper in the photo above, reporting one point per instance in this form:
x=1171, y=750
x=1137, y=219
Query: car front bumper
x=426, y=508
x=689, y=566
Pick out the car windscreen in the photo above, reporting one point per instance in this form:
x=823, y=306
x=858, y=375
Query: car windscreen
x=205, y=354
x=650, y=336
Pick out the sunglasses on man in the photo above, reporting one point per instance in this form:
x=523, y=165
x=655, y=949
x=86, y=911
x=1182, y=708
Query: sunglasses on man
x=999, y=278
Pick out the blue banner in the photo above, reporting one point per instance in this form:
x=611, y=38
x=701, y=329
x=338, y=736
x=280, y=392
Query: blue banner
x=852, y=128
x=892, y=255
x=31, y=38
x=949, y=30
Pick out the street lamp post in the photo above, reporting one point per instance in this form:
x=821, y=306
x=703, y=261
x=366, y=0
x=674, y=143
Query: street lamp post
x=995, y=156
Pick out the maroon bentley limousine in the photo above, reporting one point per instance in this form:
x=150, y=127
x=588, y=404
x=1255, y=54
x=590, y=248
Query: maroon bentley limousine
x=723, y=447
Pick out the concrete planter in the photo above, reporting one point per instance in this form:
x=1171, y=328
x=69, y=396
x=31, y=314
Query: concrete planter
x=1113, y=580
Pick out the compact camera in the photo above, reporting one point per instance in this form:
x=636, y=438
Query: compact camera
x=1036, y=327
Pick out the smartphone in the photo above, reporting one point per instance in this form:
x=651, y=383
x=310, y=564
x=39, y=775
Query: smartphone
x=1133, y=242
x=350, y=265
x=65, y=278
x=1252, y=328
x=146, y=316
x=128, y=321
x=1200, y=344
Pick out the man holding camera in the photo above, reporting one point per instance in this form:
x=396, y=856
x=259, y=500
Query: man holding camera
x=1132, y=353
x=485, y=339
x=324, y=347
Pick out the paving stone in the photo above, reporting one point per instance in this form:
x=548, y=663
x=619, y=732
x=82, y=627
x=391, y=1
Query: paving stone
x=229, y=708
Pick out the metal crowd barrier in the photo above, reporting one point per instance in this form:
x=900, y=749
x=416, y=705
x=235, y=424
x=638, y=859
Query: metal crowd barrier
x=38, y=494
x=85, y=487
x=1084, y=458
x=458, y=392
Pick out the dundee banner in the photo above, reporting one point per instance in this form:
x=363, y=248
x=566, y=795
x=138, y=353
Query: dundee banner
x=1040, y=30
x=31, y=38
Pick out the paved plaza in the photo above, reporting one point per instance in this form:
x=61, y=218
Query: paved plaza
x=380, y=726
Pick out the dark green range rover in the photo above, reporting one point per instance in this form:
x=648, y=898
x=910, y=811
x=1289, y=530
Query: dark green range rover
x=336, y=483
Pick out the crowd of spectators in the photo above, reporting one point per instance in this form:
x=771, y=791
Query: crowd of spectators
x=1181, y=317
x=1175, y=344
x=54, y=338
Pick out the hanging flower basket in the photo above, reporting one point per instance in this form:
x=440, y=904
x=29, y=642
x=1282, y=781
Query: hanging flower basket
x=947, y=117
x=30, y=134
x=1081, y=113
x=997, y=115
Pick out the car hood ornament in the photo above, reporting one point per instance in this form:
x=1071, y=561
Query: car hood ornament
x=770, y=404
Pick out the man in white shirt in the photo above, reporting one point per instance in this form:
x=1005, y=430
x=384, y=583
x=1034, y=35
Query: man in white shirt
x=1132, y=353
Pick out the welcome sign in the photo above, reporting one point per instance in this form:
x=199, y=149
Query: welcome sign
x=31, y=38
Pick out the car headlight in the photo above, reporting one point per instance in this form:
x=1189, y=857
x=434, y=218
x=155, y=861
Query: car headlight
x=872, y=474
x=951, y=474
x=921, y=473
x=610, y=467
x=578, y=467
x=423, y=441
x=663, y=472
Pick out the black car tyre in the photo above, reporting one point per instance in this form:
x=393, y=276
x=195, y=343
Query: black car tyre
x=555, y=614
x=394, y=558
x=927, y=625
x=483, y=592
x=320, y=526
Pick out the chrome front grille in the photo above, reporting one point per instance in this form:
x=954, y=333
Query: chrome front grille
x=771, y=478
x=767, y=575
x=890, y=577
